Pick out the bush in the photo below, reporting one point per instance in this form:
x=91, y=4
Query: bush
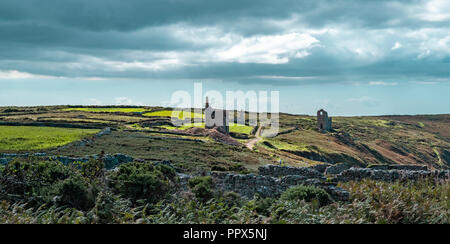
x=141, y=181
x=232, y=199
x=92, y=169
x=262, y=205
x=27, y=180
x=307, y=193
x=74, y=192
x=202, y=187
x=239, y=168
x=167, y=171
x=218, y=168
x=108, y=207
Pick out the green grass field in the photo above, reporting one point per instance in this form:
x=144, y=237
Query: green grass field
x=19, y=138
x=236, y=128
x=108, y=110
x=169, y=113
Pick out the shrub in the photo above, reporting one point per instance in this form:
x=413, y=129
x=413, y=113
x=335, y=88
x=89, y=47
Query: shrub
x=262, y=205
x=239, y=168
x=92, y=169
x=107, y=207
x=202, y=187
x=307, y=193
x=167, y=171
x=74, y=193
x=139, y=180
x=232, y=199
x=218, y=168
x=27, y=180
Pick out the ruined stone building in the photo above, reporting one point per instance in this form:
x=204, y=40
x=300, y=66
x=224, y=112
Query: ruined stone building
x=323, y=121
x=216, y=118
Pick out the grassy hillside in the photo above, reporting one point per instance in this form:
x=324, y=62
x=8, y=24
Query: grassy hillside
x=39, y=190
x=148, y=133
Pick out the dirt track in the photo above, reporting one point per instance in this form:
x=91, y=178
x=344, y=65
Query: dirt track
x=252, y=142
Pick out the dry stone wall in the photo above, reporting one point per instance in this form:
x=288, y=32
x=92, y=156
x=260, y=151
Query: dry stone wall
x=268, y=186
x=390, y=175
x=110, y=161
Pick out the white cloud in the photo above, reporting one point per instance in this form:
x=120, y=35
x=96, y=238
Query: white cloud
x=435, y=10
x=397, y=45
x=278, y=77
x=276, y=49
x=126, y=101
x=382, y=83
x=15, y=74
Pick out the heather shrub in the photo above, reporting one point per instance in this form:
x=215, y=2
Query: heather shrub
x=140, y=181
x=218, y=168
x=109, y=208
x=307, y=193
x=31, y=181
x=74, y=192
x=202, y=187
x=238, y=168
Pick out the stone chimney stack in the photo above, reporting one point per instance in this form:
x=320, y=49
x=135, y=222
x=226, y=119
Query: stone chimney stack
x=207, y=103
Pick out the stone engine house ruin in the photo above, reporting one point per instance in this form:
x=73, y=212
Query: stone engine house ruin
x=216, y=118
x=323, y=121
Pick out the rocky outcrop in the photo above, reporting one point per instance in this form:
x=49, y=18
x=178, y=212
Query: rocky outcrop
x=390, y=175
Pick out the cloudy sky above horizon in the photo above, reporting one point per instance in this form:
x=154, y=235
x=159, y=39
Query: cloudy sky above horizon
x=350, y=57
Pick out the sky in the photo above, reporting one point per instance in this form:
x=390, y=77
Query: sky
x=349, y=57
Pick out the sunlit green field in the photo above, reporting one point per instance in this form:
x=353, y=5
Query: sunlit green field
x=236, y=128
x=177, y=114
x=108, y=110
x=20, y=138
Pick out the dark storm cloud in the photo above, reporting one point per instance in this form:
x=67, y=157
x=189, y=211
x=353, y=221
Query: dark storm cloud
x=248, y=41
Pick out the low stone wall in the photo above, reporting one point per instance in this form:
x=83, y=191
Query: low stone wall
x=336, y=169
x=53, y=124
x=268, y=186
x=390, y=175
x=110, y=161
x=274, y=179
x=105, y=131
x=399, y=167
x=279, y=171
